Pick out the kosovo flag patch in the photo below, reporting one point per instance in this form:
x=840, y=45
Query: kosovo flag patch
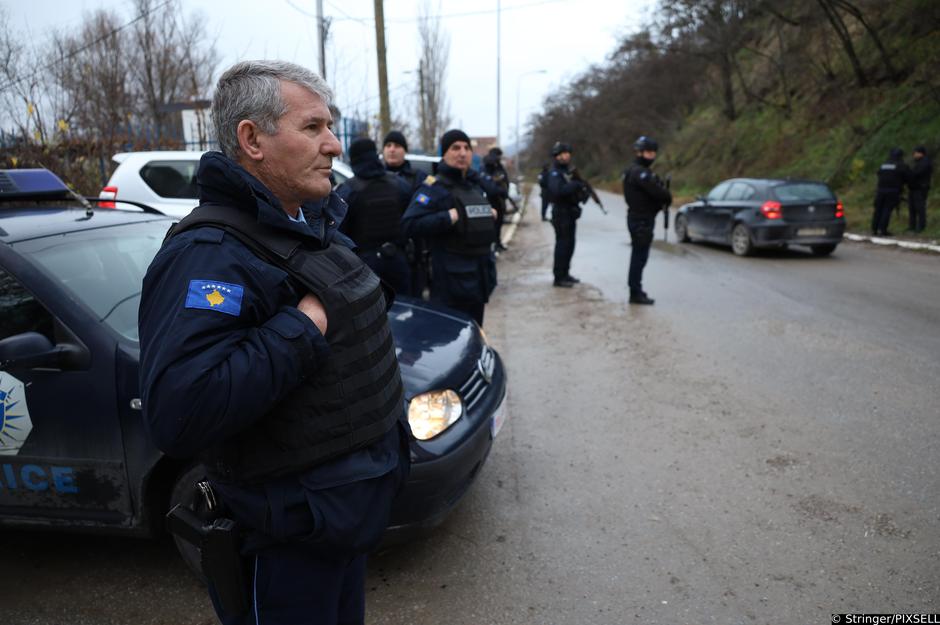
x=214, y=295
x=422, y=199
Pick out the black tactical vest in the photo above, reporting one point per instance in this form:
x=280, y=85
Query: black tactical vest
x=354, y=398
x=475, y=230
x=376, y=211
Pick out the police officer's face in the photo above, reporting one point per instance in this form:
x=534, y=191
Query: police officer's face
x=393, y=154
x=296, y=161
x=459, y=155
x=564, y=158
x=649, y=155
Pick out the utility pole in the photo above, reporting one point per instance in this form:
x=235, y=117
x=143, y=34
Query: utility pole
x=498, y=50
x=321, y=32
x=384, y=114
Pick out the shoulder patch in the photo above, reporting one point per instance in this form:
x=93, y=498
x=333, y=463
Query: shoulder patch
x=429, y=180
x=421, y=198
x=214, y=295
x=644, y=175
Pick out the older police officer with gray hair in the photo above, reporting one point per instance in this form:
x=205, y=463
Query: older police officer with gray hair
x=266, y=355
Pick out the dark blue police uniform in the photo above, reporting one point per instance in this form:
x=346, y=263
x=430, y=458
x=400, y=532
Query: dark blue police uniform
x=645, y=196
x=463, y=267
x=376, y=200
x=225, y=355
x=566, y=195
x=892, y=176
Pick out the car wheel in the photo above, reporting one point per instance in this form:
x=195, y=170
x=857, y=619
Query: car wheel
x=183, y=493
x=823, y=250
x=682, y=229
x=741, y=241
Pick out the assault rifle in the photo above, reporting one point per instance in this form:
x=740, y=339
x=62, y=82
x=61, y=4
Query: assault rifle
x=576, y=175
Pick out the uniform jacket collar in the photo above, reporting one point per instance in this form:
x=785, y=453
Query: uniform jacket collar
x=404, y=168
x=455, y=175
x=369, y=169
x=223, y=181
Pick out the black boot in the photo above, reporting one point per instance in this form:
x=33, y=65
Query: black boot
x=641, y=298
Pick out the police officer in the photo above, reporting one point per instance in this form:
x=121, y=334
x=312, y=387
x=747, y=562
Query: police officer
x=566, y=194
x=451, y=211
x=394, y=153
x=645, y=196
x=892, y=176
x=918, y=187
x=498, y=180
x=263, y=341
x=377, y=199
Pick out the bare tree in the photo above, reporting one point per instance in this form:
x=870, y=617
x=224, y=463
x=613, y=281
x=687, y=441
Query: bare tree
x=172, y=61
x=713, y=30
x=29, y=103
x=91, y=68
x=433, y=110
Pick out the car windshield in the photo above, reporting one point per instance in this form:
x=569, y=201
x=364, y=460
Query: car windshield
x=803, y=192
x=103, y=268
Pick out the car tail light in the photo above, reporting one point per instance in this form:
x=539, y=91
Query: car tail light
x=840, y=212
x=108, y=193
x=771, y=210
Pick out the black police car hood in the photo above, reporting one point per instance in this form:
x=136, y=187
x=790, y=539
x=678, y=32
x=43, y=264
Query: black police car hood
x=223, y=181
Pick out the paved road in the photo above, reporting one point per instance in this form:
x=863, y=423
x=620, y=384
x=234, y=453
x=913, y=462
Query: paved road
x=759, y=447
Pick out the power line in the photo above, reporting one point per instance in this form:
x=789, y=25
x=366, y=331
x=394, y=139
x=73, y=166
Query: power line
x=89, y=45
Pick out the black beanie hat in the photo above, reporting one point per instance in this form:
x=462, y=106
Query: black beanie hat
x=451, y=136
x=362, y=150
x=395, y=136
x=921, y=149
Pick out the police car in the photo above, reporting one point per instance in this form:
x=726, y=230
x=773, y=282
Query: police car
x=73, y=452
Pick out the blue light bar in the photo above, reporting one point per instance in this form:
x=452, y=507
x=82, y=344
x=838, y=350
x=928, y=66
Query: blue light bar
x=32, y=184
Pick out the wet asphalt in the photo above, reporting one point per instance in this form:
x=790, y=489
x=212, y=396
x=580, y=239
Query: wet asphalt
x=760, y=446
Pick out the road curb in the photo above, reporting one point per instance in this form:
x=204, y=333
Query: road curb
x=908, y=245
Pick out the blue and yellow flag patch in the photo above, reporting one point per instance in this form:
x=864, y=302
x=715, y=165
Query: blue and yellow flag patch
x=422, y=198
x=214, y=295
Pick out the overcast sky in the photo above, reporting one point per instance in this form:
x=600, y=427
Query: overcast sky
x=563, y=37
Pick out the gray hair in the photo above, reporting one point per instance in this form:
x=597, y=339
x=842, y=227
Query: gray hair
x=252, y=90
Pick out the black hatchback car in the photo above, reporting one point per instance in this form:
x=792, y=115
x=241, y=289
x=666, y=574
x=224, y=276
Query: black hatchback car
x=73, y=451
x=750, y=213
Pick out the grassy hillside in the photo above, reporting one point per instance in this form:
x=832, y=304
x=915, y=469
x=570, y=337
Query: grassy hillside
x=835, y=130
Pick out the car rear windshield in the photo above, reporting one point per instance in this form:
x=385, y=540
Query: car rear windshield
x=803, y=192
x=102, y=268
x=171, y=179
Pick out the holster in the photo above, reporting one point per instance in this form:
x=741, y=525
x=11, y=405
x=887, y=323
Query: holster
x=219, y=543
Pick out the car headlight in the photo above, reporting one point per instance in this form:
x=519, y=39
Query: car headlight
x=429, y=414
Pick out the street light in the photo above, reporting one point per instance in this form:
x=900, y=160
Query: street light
x=518, y=85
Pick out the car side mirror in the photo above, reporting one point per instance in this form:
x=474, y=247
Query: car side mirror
x=32, y=350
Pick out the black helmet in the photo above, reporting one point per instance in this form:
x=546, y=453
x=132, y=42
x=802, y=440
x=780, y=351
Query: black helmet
x=644, y=143
x=896, y=154
x=560, y=147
